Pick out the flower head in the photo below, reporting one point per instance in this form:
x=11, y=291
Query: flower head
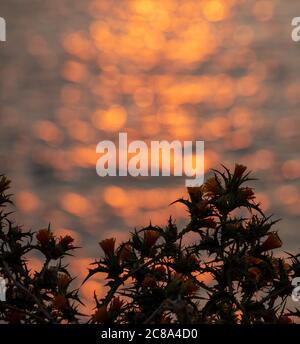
x=125, y=252
x=273, y=241
x=66, y=241
x=63, y=280
x=108, y=246
x=4, y=184
x=211, y=186
x=150, y=237
x=247, y=193
x=239, y=170
x=195, y=193
x=44, y=236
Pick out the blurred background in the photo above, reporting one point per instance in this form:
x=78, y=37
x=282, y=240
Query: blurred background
x=73, y=73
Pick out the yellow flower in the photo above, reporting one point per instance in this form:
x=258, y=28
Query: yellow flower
x=108, y=246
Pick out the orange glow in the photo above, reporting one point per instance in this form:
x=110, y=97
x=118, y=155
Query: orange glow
x=115, y=197
x=215, y=10
x=263, y=10
x=287, y=194
x=74, y=71
x=27, y=201
x=48, y=131
x=291, y=169
x=111, y=120
x=76, y=204
x=76, y=44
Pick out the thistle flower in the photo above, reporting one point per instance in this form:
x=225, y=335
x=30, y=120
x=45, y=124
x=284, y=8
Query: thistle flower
x=66, y=241
x=108, y=246
x=239, y=170
x=211, y=186
x=4, y=184
x=124, y=253
x=273, y=241
x=195, y=193
x=247, y=193
x=63, y=280
x=150, y=237
x=44, y=236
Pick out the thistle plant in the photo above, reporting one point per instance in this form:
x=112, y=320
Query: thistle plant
x=227, y=275
x=155, y=278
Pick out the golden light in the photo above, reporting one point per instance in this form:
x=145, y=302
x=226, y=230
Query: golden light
x=112, y=119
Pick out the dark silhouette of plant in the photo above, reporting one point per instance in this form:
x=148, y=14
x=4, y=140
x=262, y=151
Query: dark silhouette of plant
x=228, y=275
x=34, y=297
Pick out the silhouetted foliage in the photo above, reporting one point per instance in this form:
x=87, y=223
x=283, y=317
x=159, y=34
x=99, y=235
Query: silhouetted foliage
x=227, y=275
